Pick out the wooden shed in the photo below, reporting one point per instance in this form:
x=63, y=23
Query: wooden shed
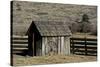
x=48, y=38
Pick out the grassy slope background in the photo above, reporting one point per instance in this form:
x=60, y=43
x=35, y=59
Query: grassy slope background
x=25, y=12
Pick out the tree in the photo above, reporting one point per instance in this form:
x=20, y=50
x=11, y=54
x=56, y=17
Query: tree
x=85, y=18
x=84, y=24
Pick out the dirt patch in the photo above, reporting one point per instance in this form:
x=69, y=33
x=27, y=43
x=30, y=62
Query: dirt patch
x=26, y=60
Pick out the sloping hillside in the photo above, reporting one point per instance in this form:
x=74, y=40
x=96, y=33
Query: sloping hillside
x=25, y=12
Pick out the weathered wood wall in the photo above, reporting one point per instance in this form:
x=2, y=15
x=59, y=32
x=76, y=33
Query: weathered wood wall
x=67, y=45
x=55, y=45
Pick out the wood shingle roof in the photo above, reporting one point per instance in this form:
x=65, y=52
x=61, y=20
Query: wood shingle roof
x=52, y=28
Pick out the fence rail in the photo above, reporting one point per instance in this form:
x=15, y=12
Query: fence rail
x=19, y=44
x=84, y=46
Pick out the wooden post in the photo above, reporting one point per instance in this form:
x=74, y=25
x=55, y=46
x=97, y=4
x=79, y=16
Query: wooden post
x=46, y=46
x=59, y=45
x=11, y=54
x=62, y=45
x=85, y=47
x=72, y=45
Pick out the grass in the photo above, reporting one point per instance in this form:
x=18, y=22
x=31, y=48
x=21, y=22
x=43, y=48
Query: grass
x=83, y=35
x=26, y=12
x=26, y=60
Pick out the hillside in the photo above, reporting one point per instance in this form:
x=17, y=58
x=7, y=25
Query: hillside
x=25, y=12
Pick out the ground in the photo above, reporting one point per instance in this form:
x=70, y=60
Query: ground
x=26, y=60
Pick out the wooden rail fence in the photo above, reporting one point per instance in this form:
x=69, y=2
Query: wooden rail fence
x=83, y=46
x=19, y=44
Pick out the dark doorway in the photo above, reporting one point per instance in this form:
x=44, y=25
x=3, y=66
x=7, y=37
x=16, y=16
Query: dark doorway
x=33, y=37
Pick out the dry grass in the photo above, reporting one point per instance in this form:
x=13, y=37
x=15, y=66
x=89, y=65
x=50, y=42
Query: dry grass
x=83, y=35
x=26, y=12
x=26, y=60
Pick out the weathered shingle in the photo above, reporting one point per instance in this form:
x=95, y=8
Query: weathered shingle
x=52, y=28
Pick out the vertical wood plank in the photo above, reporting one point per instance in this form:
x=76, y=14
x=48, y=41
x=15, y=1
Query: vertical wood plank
x=62, y=45
x=67, y=45
x=38, y=43
x=59, y=45
x=43, y=46
x=44, y=43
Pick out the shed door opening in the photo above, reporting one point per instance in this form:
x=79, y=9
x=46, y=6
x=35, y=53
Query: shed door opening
x=33, y=38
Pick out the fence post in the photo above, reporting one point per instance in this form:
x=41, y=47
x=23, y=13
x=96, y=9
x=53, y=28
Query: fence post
x=85, y=46
x=11, y=55
x=72, y=45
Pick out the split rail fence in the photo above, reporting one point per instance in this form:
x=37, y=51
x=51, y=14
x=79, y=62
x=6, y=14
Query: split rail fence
x=19, y=44
x=83, y=46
